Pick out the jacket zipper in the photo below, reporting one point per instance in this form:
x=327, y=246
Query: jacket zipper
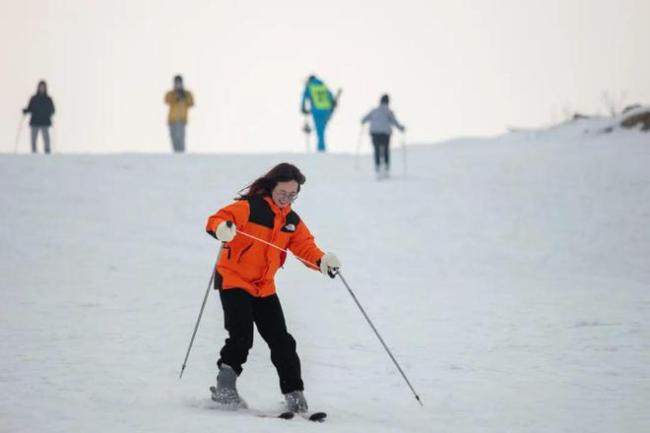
x=244, y=251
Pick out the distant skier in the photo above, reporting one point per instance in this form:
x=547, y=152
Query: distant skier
x=179, y=101
x=321, y=105
x=245, y=279
x=41, y=108
x=382, y=119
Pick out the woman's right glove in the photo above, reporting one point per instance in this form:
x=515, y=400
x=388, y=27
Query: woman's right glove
x=329, y=264
x=226, y=231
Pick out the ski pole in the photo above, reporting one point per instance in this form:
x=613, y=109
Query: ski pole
x=308, y=263
x=356, y=154
x=417, y=397
x=403, y=143
x=205, y=298
x=306, y=128
x=20, y=128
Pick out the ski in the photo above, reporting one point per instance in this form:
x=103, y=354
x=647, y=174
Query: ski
x=241, y=406
x=283, y=415
x=313, y=416
x=317, y=416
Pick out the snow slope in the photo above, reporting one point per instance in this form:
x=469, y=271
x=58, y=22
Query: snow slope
x=509, y=276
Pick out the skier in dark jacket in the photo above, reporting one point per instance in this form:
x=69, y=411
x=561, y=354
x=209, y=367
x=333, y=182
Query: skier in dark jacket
x=382, y=119
x=41, y=108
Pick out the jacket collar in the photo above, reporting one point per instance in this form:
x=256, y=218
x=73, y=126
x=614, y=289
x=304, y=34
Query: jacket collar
x=277, y=210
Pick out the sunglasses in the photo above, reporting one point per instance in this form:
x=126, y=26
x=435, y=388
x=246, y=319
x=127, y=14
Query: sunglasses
x=283, y=195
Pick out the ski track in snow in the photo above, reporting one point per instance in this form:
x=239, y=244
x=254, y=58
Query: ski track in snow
x=508, y=275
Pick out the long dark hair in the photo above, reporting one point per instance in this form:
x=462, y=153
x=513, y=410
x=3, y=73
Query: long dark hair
x=263, y=186
x=42, y=82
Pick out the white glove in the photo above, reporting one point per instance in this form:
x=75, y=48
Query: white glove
x=329, y=264
x=226, y=231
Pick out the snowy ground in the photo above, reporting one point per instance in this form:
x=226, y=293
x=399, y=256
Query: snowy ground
x=508, y=275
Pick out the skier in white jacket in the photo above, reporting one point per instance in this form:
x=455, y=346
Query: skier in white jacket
x=382, y=119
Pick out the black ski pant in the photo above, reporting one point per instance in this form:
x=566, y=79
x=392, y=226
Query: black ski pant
x=45, y=131
x=240, y=311
x=381, y=143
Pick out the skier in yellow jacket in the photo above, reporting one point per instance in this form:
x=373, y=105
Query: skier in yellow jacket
x=179, y=101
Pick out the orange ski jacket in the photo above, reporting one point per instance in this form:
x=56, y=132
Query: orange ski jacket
x=249, y=264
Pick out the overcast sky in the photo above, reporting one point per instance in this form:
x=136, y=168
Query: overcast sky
x=452, y=68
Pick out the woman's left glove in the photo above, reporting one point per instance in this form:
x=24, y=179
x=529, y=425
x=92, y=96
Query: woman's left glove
x=329, y=264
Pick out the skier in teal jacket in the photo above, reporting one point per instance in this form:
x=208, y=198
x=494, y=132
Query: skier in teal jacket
x=321, y=105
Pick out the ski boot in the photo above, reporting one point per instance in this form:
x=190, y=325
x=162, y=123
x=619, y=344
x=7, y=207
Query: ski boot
x=296, y=402
x=225, y=393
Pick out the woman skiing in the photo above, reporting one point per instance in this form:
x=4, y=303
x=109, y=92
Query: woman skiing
x=245, y=279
